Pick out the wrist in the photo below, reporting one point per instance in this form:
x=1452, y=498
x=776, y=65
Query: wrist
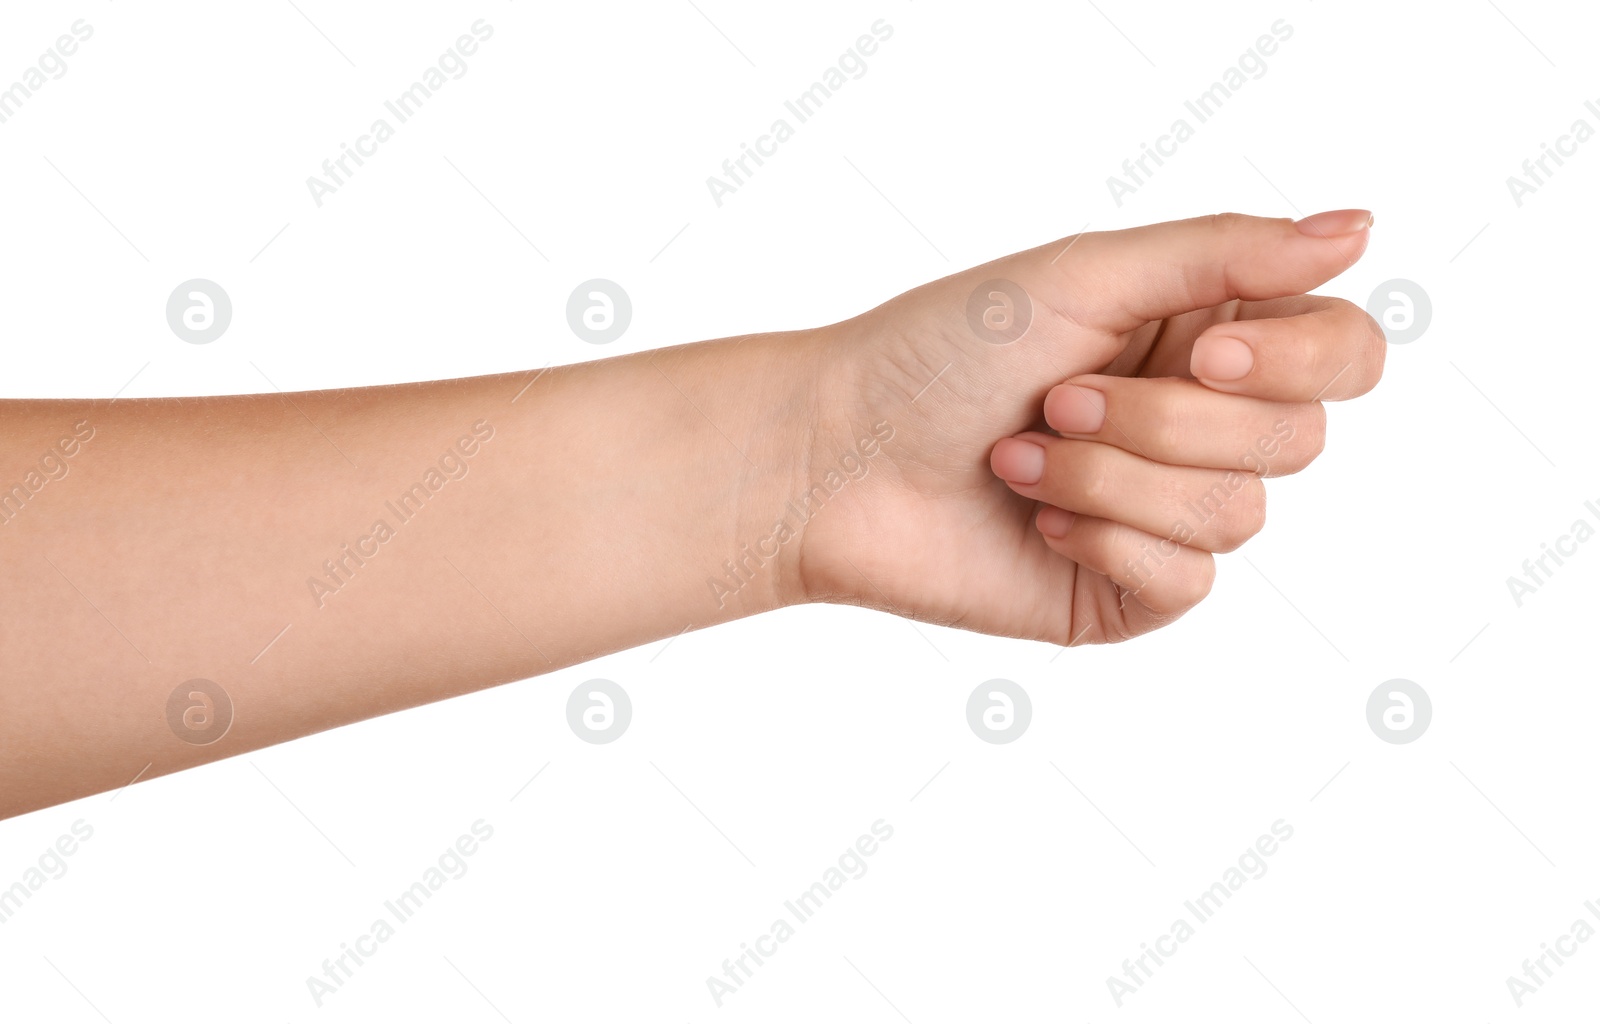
x=763, y=395
x=842, y=489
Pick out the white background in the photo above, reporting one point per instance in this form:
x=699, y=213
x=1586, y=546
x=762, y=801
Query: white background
x=1419, y=875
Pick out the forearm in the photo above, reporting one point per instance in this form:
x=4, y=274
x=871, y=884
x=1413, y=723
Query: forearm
x=329, y=556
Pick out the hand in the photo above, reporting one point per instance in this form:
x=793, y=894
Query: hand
x=1177, y=364
x=557, y=515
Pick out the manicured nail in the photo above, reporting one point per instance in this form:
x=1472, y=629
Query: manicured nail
x=1334, y=223
x=1055, y=522
x=1017, y=461
x=1220, y=358
x=1073, y=409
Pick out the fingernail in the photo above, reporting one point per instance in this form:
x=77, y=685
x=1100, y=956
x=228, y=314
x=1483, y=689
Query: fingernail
x=1334, y=223
x=1073, y=409
x=1017, y=461
x=1216, y=357
x=1055, y=522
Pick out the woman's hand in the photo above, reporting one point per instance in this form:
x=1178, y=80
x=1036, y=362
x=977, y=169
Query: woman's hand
x=308, y=560
x=1077, y=427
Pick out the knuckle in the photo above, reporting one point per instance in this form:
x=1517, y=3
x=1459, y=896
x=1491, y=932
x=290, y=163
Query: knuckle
x=1088, y=475
x=1376, y=351
x=1307, y=357
x=1314, y=430
x=1171, y=433
x=1185, y=583
x=1247, y=514
x=1253, y=507
x=1365, y=344
x=1076, y=474
x=1229, y=222
x=1069, y=287
x=1072, y=304
x=1308, y=435
x=1197, y=580
x=1094, y=484
x=1341, y=309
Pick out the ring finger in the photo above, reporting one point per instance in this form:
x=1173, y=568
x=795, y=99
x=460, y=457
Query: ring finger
x=1210, y=509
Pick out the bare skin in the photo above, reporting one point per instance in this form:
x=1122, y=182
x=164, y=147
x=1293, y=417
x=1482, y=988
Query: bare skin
x=899, y=460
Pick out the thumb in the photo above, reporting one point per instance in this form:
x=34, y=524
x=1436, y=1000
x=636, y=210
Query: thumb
x=1120, y=280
